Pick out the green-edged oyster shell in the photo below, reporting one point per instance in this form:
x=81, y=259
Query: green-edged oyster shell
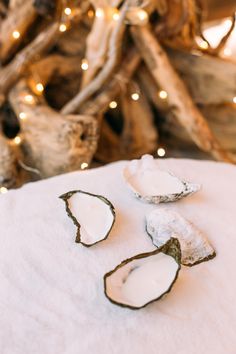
x=94, y=216
x=144, y=278
x=153, y=185
x=162, y=224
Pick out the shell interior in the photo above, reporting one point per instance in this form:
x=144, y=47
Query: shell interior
x=93, y=214
x=154, y=185
x=162, y=224
x=144, y=278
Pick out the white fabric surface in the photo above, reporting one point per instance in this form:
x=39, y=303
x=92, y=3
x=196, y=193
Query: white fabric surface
x=51, y=289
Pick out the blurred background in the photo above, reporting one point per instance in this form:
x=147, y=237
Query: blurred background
x=84, y=83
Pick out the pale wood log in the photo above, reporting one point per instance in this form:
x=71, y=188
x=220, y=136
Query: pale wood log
x=53, y=143
x=210, y=80
x=97, y=43
x=11, y=73
x=14, y=4
x=19, y=18
x=220, y=117
x=73, y=41
x=151, y=89
x=108, y=144
x=54, y=64
x=222, y=120
x=217, y=9
x=178, y=96
x=100, y=103
x=53, y=70
x=11, y=175
x=139, y=135
x=111, y=63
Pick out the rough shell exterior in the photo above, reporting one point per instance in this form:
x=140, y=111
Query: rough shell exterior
x=148, y=163
x=161, y=224
x=189, y=188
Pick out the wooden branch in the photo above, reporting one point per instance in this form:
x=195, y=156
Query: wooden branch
x=97, y=44
x=18, y=19
x=52, y=143
x=218, y=9
x=139, y=135
x=109, y=67
x=108, y=144
x=222, y=120
x=151, y=89
x=210, y=80
x=73, y=41
x=179, y=98
x=11, y=73
x=54, y=64
x=10, y=173
x=220, y=117
x=118, y=84
x=173, y=19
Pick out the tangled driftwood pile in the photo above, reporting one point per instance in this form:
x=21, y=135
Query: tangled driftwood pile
x=87, y=79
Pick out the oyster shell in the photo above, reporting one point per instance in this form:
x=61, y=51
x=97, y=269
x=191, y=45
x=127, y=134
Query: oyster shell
x=94, y=216
x=153, y=185
x=144, y=278
x=162, y=224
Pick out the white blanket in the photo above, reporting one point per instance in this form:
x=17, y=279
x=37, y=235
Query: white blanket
x=51, y=289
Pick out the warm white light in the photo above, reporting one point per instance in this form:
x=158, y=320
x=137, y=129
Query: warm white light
x=84, y=165
x=203, y=44
x=99, y=12
x=3, y=190
x=116, y=15
x=163, y=94
x=62, y=27
x=234, y=99
x=39, y=87
x=90, y=13
x=113, y=104
x=84, y=64
x=161, y=152
x=142, y=15
x=67, y=11
x=16, y=34
x=17, y=140
x=135, y=96
x=22, y=115
x=228, y=22
x=29, y=99
x=227, y=52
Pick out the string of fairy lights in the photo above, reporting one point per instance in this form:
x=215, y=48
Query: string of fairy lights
x=141, y=16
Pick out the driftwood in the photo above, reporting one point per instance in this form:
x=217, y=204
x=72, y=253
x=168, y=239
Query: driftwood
x=210, y=80
x=41, y=74
x=16, y=68
x=117, y=85
x=98, y=41
x=12, y=72
x=217, y=9
x=179, y=98
x=11, y=174
x=114, y=52
x=20, y=21
x=139, y=134
x=45, y=132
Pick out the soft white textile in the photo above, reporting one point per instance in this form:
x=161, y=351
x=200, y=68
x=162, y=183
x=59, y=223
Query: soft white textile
x=51, y=289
